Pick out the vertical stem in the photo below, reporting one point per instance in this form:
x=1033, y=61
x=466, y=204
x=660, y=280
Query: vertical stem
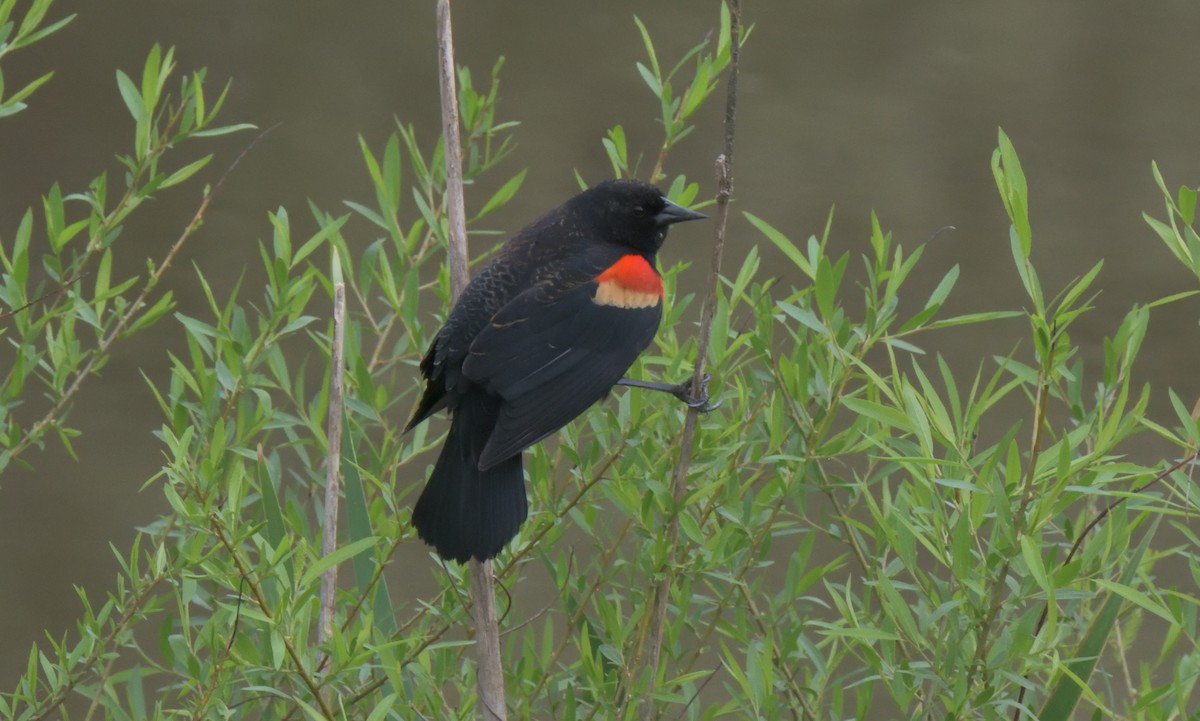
x=489, y=674
x=724, y=167
x=333, y=463
x=457, y=230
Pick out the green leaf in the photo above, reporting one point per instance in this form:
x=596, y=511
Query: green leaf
x=198, y=99
x=359, y=527
x=151, y=315
x=1064, y=696
x=939, y=294
x=618, y=153
x=1033, y=561
x=1025, y=270
x=185, y=172
x=805, y=316
x=367, y=213
x=103, y=277
x=392, y=172
x=886, y=415
x=652, y=82
x=37, y=35
x=225, y=130
x=724, y=36
x=129, y=93
x=1078, y=287
x=1187, y=204
x=327, y=230
x=326, y=562
x=382, y=707
x=7, y=109
x=20, y=255
x=502, y=196
x=1172, y=298
x=649, y=44
x=862, y=634
x=309, y=710
x=1010, y=179
x=1137, y=598
x=150, y=75
x=33, y=17
x=781, y=242
x=972, y=318
x=1170, y=238
x=26, y=91
x=267, y=471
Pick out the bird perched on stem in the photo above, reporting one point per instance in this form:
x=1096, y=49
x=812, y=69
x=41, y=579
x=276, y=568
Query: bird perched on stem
x=544, y=330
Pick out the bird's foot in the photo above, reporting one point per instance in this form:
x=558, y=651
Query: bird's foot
x=700, y=401
x=682, y=391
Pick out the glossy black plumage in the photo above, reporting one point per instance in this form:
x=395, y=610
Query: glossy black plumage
x=543, y=331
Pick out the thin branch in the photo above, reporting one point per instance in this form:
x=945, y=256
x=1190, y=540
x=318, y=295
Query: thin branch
x=519, y=556
x=1040, y=402
x=724, y=166
x=46, y=296
x=201, y=705
x=265, y=607
x=35, y=431
x=1083, y=534
x=489, y=674
x=333, y=462
x=699, y=689
x=132, y=606
x=455, y=215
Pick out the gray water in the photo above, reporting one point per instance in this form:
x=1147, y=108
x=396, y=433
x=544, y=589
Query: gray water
x=866, y=105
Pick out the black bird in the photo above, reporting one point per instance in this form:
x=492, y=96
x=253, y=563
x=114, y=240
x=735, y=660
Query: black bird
x=544, y=330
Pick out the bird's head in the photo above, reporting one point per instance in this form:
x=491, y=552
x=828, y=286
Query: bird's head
x=631, y=212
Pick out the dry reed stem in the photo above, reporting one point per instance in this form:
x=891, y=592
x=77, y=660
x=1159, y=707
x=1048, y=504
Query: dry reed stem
x=489, y=673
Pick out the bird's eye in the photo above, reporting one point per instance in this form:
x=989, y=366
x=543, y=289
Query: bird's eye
x=639, y=209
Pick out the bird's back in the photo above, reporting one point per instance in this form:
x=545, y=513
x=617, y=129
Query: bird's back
x=555, y=253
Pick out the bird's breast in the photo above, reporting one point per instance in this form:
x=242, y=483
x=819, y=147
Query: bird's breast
x=631, y=282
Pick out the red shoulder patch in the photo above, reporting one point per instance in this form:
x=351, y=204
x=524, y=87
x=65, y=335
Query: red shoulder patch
x=629, y=283
x=634, y=273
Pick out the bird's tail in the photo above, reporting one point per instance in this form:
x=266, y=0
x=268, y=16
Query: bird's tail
x=463, y=511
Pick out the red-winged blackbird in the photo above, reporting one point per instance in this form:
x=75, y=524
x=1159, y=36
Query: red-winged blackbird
x=544, y=330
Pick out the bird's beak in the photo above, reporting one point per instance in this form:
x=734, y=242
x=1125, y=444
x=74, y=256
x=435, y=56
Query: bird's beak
x=675, y=213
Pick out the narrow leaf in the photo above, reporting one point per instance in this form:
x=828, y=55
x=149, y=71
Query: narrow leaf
x=344, y=553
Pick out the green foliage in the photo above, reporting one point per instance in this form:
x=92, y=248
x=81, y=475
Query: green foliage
x=1179, y=230
x=865, y=533
x=64, y=306
x=709, y=59
x=14, y=36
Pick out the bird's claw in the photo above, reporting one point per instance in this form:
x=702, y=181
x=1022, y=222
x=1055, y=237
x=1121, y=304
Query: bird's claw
x=683, y=391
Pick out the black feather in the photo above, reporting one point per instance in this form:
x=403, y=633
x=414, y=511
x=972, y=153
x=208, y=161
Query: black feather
x=465, y=511
x=527, y=348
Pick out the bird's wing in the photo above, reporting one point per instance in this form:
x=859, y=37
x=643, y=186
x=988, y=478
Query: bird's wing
x=487, y=292
x=550, y=355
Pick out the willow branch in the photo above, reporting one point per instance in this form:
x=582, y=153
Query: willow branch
x=724, y=167
x=489, y=674
x=131, y=313
x=333, y=461
x=456, y=232
x=1083, y=534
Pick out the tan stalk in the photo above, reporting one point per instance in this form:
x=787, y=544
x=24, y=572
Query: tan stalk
x=679, y=486
x=489, y=674
x=333, y=463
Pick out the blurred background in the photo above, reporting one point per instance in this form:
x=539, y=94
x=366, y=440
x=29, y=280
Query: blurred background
x=859, y=104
